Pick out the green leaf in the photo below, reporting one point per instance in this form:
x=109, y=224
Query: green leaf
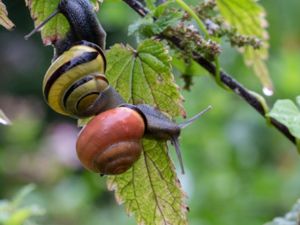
x=161, y=8
x=248, y=17
x=82, y=122
x=291, y=218
x=21, y=216
x=57, y=27
x=3, y=118
x=148, y=27
x=190, y=68
x=4, y=20
x=150, y=190
x=144, y=76
x=168, y=19
x=143, y=25
x=150, y=4
x=287, y=113
x=15, y=212
x=22, y=194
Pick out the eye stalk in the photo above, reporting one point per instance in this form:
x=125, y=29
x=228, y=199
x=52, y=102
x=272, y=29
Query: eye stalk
x=160, y=127
x=38, y=27
x=83, y=22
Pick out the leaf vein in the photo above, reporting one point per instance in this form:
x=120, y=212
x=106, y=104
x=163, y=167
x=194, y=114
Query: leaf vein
x=153, y=189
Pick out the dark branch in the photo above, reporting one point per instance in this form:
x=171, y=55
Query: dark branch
x=226, y=79
x=137, y=6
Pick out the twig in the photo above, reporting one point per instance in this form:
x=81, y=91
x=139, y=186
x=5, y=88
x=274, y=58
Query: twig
x=138, y=7
x=226, y=79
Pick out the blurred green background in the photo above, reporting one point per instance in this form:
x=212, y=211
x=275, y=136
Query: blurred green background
x=239, y=170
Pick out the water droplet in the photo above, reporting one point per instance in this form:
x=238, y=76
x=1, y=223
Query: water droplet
x=3, y=119
x=267, y=91
x=4, y=122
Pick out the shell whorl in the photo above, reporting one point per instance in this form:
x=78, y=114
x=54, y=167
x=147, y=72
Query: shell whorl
x=118, y=158
x=74, y=80
x=111, y=142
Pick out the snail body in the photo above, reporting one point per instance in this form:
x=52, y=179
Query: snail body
x=83, y=23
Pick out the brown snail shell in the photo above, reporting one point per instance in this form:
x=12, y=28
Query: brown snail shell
x=111, y=142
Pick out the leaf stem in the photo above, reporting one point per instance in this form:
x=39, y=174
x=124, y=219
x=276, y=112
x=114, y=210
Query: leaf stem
x=188, y=9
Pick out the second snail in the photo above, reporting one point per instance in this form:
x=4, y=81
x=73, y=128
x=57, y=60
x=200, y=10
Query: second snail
x=75, y=85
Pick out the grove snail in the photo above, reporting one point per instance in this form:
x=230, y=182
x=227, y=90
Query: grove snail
x=111, y=142
x=75, y=85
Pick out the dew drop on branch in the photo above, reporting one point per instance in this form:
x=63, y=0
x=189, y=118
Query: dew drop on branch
x=267, y=91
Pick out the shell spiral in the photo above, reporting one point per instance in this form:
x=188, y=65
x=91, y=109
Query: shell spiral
x=111, y=142
x=75, y=79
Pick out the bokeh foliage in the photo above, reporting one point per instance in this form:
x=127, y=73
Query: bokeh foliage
x=238, y=169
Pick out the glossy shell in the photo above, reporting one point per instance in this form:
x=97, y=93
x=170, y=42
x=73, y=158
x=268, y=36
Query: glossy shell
x=74, y=80
x=111, y=142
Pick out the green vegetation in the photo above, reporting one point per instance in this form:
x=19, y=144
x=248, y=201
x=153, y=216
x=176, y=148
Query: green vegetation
x=238, y=168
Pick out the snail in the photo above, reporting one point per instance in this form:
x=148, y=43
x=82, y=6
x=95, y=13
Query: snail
x=112, y=141
x=75, y=85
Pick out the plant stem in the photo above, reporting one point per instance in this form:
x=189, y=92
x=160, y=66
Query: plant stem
x=184, y=6
x=235, y=86
x=225, y=78
x=138, y=7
